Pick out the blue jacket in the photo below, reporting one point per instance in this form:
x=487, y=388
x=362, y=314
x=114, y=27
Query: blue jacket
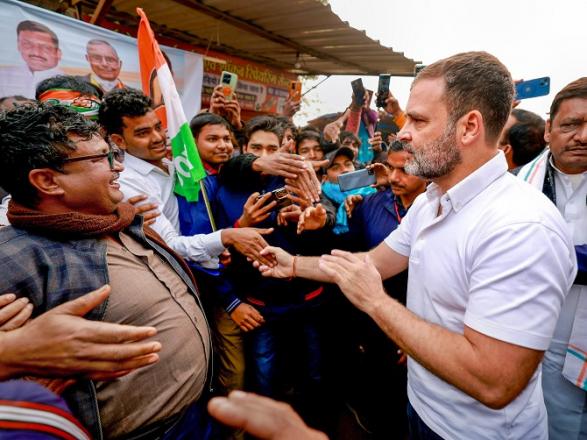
x=256, y=289
x=372, y=221
x=193, y=219
x=51, y=271
x=375, y=218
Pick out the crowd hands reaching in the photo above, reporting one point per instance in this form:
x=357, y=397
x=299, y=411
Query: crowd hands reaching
x=271, y=194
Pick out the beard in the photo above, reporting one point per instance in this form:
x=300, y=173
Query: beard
x=434, y=159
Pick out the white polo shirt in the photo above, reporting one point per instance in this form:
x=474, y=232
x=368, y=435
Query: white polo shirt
x=499, y=259
x=141, y=177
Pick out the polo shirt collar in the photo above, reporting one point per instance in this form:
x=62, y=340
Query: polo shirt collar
x=472, y=185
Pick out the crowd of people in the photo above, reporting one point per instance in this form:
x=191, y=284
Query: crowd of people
x=445, y=299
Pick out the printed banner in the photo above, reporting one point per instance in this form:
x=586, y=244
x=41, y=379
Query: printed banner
x=259, y=89
x=38, y=44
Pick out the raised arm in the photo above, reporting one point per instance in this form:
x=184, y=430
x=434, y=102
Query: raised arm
x=387, y=262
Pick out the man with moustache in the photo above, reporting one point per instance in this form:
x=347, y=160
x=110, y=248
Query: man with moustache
x=39, y=48
x=474, y=328
x=560, y=172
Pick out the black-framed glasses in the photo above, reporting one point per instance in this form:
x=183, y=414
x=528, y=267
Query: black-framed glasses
x=112, y=155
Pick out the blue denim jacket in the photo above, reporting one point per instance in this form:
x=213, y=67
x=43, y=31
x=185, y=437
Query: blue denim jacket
x=51, y=271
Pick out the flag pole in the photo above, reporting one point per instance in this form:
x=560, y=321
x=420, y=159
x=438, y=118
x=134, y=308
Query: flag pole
x=208, y=207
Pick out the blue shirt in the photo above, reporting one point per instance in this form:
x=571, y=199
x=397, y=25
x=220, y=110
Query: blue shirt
x=372, y=221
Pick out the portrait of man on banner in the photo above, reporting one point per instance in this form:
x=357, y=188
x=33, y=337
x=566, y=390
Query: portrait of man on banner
x=105, y=64
x=39, y=50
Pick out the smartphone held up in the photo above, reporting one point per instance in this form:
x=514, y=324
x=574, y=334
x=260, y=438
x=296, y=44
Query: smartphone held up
x=228, y=80
x=295, y=91
x=358, y=92
x=382, y=90
x=356, y=179
x=280, y=196
x=533, y=88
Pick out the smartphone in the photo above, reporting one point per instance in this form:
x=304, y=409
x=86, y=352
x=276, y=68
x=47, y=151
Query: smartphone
x=295, y=91
x=356, y=179
x=533, y=88
x=358, y=92
x=280, y=195
x=382, y=90
x=228, y=81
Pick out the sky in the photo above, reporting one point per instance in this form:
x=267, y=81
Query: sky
x=533, y=38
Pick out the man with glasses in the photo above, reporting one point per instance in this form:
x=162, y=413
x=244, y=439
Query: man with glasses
x=69, y=91
x=105, y=65
x=69, y=234
x=39, y=48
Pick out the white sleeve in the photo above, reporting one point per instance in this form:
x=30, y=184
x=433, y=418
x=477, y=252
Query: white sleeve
x=4, y=210
x=199, y=248
x=519, y=278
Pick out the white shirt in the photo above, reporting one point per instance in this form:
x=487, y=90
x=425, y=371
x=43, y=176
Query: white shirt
x=4, y=210
x=571, y=194
x=19, y=80
x=141, y=177
x=500, y=260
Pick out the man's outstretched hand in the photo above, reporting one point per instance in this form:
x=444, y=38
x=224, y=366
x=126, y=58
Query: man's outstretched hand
x=249, y=242
x=282, y=266
x=262, y=417
x=61, y=342
x=357, y=277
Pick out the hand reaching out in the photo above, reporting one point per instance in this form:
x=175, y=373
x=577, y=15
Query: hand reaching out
x=61, y=342
x=289, y=214
x=147, y=210
x=381, y=174
x=357, y=277
x=256, y=209
x=313, y=218
x=283, y=263
x=351, y=202
x=376, y=142
x=249, y=242
x=262, y=417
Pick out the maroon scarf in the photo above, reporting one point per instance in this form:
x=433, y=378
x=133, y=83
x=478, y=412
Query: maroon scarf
x=70, y=224
x=78, y=225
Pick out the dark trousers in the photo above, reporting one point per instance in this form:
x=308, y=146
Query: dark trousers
x=267, y=347
x=193, y=424
x=417, y=428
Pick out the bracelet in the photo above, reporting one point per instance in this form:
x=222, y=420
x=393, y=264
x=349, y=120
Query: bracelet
x=293, y=269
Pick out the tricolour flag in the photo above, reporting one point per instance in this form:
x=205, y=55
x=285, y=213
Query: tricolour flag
x=158, y=83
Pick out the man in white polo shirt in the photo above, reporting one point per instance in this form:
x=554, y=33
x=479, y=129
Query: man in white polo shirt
x=490, y=261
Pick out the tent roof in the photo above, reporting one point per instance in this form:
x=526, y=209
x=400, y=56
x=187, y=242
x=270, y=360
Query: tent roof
x=302, y=36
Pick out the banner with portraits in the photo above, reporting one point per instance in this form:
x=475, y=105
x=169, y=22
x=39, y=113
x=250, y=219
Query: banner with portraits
x=259, y=88
x=38, y=44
